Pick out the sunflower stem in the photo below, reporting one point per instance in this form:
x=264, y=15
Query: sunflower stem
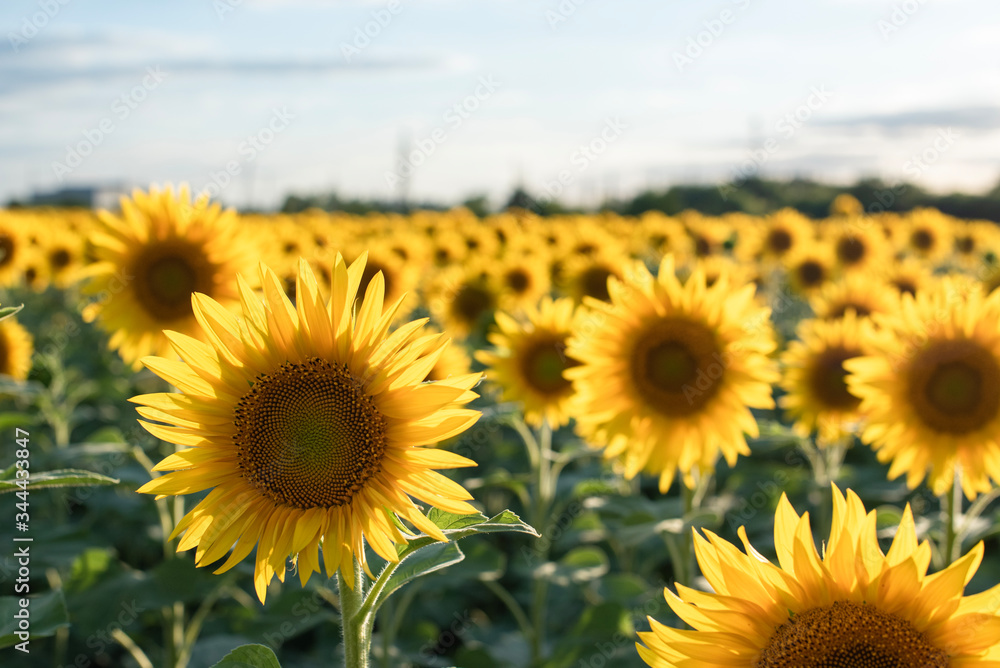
x=357, y=630
x=952, y=546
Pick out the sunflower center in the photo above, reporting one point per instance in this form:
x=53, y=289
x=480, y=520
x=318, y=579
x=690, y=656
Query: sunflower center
x=6, y=250
x=779, y=241
x=849, y=635
x=308, y=436
x=811, y=273
x=922, y=240
x=518, y=280
x=165, y=276
x=905, y=286
x=826, y=379
x=471, y=302
x=850, y=250
x=60, y=258
x=965, y=245
x=543, y=364
x=677, y=367
x=702, y=246
x=955, y=386
x=840, y=310
x=594, y=283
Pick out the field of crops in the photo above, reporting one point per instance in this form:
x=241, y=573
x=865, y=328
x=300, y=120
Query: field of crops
x=585, y=441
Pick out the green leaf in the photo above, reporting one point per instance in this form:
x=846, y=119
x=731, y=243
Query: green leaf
x=61, y=478
x=456, y=527
x=249, y=656
x=431, y=558
x=9, y=311
x=581, y=564
x=46, y=613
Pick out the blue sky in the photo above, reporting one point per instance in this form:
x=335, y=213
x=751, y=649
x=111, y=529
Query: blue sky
x=585, y=98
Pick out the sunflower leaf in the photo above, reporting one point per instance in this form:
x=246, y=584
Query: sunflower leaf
x=249, y=656
x=60, y=478
x=456, y=527
x=8, y=311
x=425, y=560
x=47, y=613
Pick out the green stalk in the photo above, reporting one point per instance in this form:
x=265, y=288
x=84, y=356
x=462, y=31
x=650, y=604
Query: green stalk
x=952, y=546
x=357, y=638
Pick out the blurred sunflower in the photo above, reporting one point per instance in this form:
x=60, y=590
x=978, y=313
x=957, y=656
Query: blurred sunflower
x=583, y=277
x=865, y=295
x=931, y=388
x=463, y=300
x=809, y=268
x=909, y=275
x=844, y=205
x=13, y=247
x=523, y=279
x=857, y=247
x=782, y=232
x=669, y=372
x=308, y=423
x=529, y=358
x=152, y=258
x=851, y=606
x=817, y=397
x=927, y=234
x=16, y=349
x=64, y=255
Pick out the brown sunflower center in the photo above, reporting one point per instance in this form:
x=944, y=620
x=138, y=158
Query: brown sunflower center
x=517, y=280
x=165, y=276
x=826, y=379
x=594, y=283
x=60, y=258
x=849, y=635
x=955, y=386
x=6, y=250
x=905, y=286
x=779, y=240
x=922, y=239
x=471, y=302
x=965, y=245
x=811, y=273
x=308, y=436
x=676, y=366
x=850, y=250
x=542, y=366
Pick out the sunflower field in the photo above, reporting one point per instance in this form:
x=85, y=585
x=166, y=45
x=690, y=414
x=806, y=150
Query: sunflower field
x=434, y=439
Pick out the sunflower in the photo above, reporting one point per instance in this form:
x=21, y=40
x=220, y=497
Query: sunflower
x=13, y=247
x=846, y=205
x=15, y=349
x=529, y=360
x=309, y=422
x=583, y=277
x=669, y=371
x=783, y=232
x=863, y=294
x=463, y=300
x=64, y=255
x=931, y=389
x=162, y=249
x=523, y=279
x=809, y=268
x=817, y=396
x=927, y=234
x=856, y=248
x=909, y=276
x=852, y=606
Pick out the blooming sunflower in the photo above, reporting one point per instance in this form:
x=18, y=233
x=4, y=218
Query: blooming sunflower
x=150, y=260
x=809, y=267
x=852, y=606
x=818, y=398
x=862, y=294
x=931, y=388
x=16, y=348
x=669, y=371
x=530, y=357
x=463, y=300
x=310, y=424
